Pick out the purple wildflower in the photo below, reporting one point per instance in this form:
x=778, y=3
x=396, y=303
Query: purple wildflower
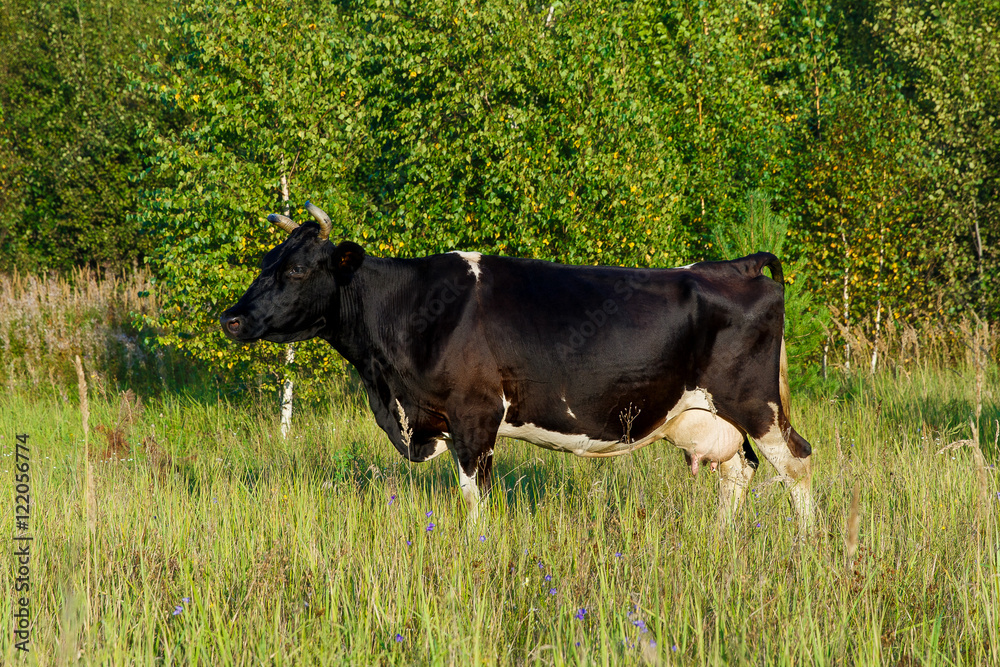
x=580, y=614
x=430, y=527
x=399, y=637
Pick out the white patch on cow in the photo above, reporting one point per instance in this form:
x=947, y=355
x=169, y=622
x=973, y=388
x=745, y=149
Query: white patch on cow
x=774, y=446
x=569, y=410
x=585, y=445
x=700, y=399
x=440, y=447
x=469, y=487
x=470, y=490
x=577, y=443
x=473, y=260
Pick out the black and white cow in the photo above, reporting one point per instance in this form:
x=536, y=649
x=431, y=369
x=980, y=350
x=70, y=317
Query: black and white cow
x=456, y=349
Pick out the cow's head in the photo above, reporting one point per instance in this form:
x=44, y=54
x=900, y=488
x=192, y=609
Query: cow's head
x=295, y=296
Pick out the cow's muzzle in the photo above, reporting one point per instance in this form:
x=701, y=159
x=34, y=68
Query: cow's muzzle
x=233, y=326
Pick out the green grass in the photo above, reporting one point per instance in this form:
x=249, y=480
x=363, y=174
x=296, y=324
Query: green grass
x=292, y=553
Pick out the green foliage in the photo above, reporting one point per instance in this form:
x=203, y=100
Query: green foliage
x=493, y=129
x=948, y=57
x=68, y=149
x=870, y=250
x=258, y=103
x=711, y=67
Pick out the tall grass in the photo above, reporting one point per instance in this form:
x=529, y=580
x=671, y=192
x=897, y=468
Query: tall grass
x=216, y=541
x=243, y=548
x=47, y=320
x=900, y=345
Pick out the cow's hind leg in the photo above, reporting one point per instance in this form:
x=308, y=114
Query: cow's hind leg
x=795, y=470
x=735, y=477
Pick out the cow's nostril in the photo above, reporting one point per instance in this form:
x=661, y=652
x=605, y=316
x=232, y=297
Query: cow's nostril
x=233, y=325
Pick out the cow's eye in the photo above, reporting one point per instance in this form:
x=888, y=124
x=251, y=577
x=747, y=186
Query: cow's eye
x=296, y=271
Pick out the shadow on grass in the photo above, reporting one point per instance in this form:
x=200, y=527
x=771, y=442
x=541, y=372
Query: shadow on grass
x=523, y=484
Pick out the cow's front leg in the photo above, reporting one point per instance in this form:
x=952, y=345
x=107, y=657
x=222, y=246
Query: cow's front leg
x=471, y=444
x=735, y=477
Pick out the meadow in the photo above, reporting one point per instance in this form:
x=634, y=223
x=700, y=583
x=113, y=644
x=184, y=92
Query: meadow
x=178, y=527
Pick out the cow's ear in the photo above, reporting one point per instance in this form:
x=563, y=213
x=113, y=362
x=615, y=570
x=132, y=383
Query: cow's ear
x=347, y=258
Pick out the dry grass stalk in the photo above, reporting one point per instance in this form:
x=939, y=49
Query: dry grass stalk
x=853, y=526
x=404, y=426
x=89, y=501
x=46, y=320
x=81, y=384
x=979, y=343
x=957, y=444
x=906, y=344
x=116, y=448
x=980, y=460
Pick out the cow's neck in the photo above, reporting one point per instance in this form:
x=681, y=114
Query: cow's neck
x=359, y=340
x=360, y=303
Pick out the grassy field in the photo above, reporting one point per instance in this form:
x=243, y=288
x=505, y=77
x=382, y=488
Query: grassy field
x=184, y=530
x=212, y=541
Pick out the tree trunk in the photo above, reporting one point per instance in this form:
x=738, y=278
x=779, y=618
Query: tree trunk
x=847, y=301
x=878, y=285
x=288, y=385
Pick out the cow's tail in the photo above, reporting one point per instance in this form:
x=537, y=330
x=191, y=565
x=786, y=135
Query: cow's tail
x=761, y=260
x=798, y=445
x=784, y=388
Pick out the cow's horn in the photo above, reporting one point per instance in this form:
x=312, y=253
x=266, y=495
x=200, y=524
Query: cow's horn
x=325, y=225
x=285, y=223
